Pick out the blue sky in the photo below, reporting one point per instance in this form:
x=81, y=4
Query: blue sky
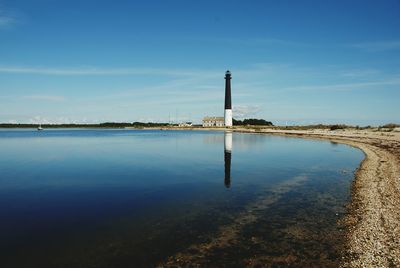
x=300, y=62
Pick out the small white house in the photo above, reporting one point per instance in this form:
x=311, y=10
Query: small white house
x=213, y=121
x=185, y=124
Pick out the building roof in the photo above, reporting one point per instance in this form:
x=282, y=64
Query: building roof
x=213, y=118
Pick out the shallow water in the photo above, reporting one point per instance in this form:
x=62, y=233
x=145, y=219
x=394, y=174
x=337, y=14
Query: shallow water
x=132, y=198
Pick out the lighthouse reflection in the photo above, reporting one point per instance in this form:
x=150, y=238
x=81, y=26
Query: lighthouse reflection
x=228, y=157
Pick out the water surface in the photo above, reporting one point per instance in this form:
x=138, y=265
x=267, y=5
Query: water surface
x=142, y=198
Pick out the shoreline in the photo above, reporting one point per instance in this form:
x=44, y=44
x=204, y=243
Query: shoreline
x=373, y=218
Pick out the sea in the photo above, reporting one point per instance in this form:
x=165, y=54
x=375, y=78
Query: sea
x=165, y=198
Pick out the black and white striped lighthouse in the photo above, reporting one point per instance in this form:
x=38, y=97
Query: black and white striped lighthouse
x=228, y=100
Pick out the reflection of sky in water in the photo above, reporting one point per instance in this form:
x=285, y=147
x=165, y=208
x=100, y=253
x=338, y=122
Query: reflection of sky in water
x=58, y=183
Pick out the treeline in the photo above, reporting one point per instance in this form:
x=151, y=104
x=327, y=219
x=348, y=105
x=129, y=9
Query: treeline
x=321, y=126
x=339, y=127
x=390, y=125
x=101, y=125
x=252, y=122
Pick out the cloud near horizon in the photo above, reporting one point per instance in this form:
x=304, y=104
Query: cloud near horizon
x=243, y=111
x=378, y=46
x=191, y=93
x=45, y=98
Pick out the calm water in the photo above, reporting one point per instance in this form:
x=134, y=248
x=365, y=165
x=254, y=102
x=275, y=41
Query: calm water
x=132, y=198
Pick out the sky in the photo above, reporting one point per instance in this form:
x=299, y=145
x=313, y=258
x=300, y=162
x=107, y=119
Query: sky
x=292, y=62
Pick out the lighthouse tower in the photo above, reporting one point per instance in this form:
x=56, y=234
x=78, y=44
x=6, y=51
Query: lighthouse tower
x=228, y=100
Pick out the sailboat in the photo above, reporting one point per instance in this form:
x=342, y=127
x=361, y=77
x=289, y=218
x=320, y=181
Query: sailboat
x=40, y=127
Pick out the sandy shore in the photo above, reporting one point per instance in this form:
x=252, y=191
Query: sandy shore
x=373, y=219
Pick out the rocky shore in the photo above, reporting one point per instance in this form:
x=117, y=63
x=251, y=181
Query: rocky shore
x=373, y=218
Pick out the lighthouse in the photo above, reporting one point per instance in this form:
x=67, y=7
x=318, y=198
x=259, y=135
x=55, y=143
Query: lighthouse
x=228, y=100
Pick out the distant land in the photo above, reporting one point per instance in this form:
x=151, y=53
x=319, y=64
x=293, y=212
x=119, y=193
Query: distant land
x=246, y=123
x=100, y=125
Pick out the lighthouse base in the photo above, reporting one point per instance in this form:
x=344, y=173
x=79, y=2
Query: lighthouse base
x=228, y=117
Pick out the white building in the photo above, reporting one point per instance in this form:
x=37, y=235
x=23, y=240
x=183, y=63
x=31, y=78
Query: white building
x=213, y=121
x=185, y=124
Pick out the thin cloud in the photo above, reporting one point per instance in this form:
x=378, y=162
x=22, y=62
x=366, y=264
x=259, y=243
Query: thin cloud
x=268, y=41
x=7, y=19
x=360, y=73
x=60, y=120
x=378, y=46
x=344, y=87
x=99, y=71
x=45, y=98
x=253, y=42
x=242, y=111
x=253, y=70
